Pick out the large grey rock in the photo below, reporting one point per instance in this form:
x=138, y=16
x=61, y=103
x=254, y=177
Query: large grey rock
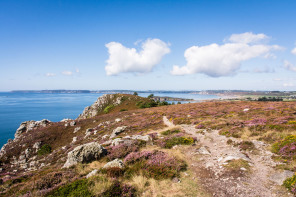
x=146, y=138
x=203, y=150
x=85, y=153
x=279, y=177
x=116, y=163
x=117, y=131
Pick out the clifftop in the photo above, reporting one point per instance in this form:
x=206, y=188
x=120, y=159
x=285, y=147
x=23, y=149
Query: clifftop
x=199, y=149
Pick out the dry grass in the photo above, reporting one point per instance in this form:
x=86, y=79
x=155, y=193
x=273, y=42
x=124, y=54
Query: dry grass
x=84, y=169
x=101, y=183
x=237, y=165
x=187, y=187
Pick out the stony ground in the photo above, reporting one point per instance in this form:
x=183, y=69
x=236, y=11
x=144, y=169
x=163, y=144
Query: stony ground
x=208, y=159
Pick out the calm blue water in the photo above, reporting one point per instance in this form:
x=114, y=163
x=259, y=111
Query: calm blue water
x=16, y=108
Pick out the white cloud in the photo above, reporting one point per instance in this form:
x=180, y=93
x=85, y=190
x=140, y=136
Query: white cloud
x=288, y=85
x=223, y=60
x=247, y=38
x=289, y=66
x=50, y=74
x=67, y=73
x=77, y=70
x=123, y=59
x=293, y=51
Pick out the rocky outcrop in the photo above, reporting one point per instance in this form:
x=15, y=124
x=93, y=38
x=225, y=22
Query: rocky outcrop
x=85, y=153
x=117, y=131
x=116, y=163
x=24, y=128
x=100, y=105
x=30, y=125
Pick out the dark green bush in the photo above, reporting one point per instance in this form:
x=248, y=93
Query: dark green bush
x=45, y=149
x=118, y=189
x=170, y=132
x=123, y=109
x=290, y=184
x=170, y=142
x=108, y=108
x=74, y=189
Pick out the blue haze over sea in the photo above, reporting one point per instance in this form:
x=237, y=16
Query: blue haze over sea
x=16, y=108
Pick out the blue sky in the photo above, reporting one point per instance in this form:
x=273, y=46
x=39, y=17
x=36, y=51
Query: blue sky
x=240, y=44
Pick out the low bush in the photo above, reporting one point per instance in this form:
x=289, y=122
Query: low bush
x=118, y=189
x=290, y=184
x=121, y=150
x=49, y=181
x=169, y=142
x=286, y=147
x=246, y=145
x=170, y=132
x=113, y=172
x=74, y=189
x=108, y=108
x=45, y=149
x=155, y=164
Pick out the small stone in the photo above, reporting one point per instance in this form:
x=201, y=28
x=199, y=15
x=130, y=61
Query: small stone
x=74, y=139
x=116, y=163
x=76, y=129
x=92, y=173
x=72, y=124
x=176, y=180
x=117, y=120
x=203, y=150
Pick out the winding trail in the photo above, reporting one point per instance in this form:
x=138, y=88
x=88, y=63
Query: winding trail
x=207, y=160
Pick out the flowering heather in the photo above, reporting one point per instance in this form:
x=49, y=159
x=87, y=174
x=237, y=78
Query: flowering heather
x=290, y=184
x=121, y=150
x=255, y=122
x=156, y=164
x=136, y=156
x=286, y=147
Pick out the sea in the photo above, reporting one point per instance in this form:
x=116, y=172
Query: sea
x=16, y=107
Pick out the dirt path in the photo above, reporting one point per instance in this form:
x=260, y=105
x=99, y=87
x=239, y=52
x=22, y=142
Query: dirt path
x=209, y=157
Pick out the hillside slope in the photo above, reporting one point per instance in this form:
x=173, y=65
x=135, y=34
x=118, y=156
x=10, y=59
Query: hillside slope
x=116, y=148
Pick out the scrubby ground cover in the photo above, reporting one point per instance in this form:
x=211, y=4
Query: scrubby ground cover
x=167, y=163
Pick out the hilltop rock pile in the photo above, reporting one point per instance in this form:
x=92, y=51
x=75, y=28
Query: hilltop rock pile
x=99, y=105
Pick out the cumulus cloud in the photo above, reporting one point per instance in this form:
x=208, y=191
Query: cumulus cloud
x=124, y=60
x=293, y=51
x=67, y=73
x=289, y=66
x=247, y=38
x=224, y=60
x=50, y=74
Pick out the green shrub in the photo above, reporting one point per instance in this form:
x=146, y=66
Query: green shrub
x=290, y=183
x=170, y=132
x=118, y=189
x=287, y=141
x=123, y=109
x=170, y=142
x=108, y=108
x=45, y=149
x=76, y=188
